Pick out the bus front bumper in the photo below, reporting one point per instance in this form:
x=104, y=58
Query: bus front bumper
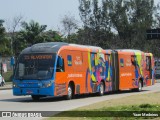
x=34, y=91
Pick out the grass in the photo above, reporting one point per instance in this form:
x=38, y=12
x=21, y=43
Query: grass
x=116, y=109
x=7, y=76
x=142, y=111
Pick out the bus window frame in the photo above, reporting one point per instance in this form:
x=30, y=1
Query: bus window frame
x=60, y=68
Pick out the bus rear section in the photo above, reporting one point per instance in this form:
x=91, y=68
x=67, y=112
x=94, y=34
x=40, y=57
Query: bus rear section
x=136, y=69
x=149, y=70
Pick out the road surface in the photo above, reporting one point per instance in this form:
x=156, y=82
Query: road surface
x=8, y=102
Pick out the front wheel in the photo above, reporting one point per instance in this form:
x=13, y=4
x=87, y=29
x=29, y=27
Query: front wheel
x=70, y=92
x=35, y=97
x=139, y=89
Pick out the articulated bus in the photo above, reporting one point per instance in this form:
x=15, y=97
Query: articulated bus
x=62, y=69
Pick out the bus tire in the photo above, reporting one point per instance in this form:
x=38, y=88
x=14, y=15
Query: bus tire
x=139, y=89
x=35, y=97
x=69, y=92
x=101, y=89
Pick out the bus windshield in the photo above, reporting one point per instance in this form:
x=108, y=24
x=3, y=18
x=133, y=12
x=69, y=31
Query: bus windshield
x=35, y=66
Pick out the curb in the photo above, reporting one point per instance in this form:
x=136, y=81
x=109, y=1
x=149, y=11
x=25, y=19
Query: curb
x=6, y=87
x=3, y=88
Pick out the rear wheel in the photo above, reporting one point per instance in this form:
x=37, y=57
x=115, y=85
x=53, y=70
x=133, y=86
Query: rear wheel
x=35, y=97
x=101, y=89
x=139, y=89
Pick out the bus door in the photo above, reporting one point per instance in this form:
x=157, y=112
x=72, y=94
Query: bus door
x=135, y=70
x=93, y=69
x=115, y=70
x=148, y=67
x=108, y=72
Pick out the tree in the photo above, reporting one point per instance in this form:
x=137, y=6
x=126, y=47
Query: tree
x=32, y=32
x=4, y=49
x=95, y=19
x=157, y=14
x=52, y=36
x=128, y=18
x=12, y=28
x=2, y=31
x=69, y=24
x=85, y=15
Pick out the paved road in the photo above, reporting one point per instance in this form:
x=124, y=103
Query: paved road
x=8, y=102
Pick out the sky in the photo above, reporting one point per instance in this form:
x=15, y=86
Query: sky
x=46, y=12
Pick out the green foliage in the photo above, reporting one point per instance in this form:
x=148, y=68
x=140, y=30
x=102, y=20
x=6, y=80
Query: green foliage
x=32, y=32
x=2, y=29
x=117, y=23
x=4, y=40
x=52, y=36
x=73, y=38
x=143, y=111
x=8, y=76
x=145, y=106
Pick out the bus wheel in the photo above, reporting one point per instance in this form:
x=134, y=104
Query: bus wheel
x=139, y=86
x=70, y=92
x=35, y=97
x=101, y=89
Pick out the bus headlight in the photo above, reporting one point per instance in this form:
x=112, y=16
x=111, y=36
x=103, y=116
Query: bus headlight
x=47, y=84
x=15, y=85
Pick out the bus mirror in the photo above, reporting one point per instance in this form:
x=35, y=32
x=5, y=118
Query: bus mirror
x=60, y=61
x=12, y=61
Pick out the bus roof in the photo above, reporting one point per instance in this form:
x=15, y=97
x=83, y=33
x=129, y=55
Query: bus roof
x=48, y=47
x=128, y=50
x=85, y=46
x=53, y=47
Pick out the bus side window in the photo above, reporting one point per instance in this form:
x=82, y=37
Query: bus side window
x=60, y=64
x=69, y=60
x=93, y=57
x=148, y=63
x=133, y=60
x=121, y=62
